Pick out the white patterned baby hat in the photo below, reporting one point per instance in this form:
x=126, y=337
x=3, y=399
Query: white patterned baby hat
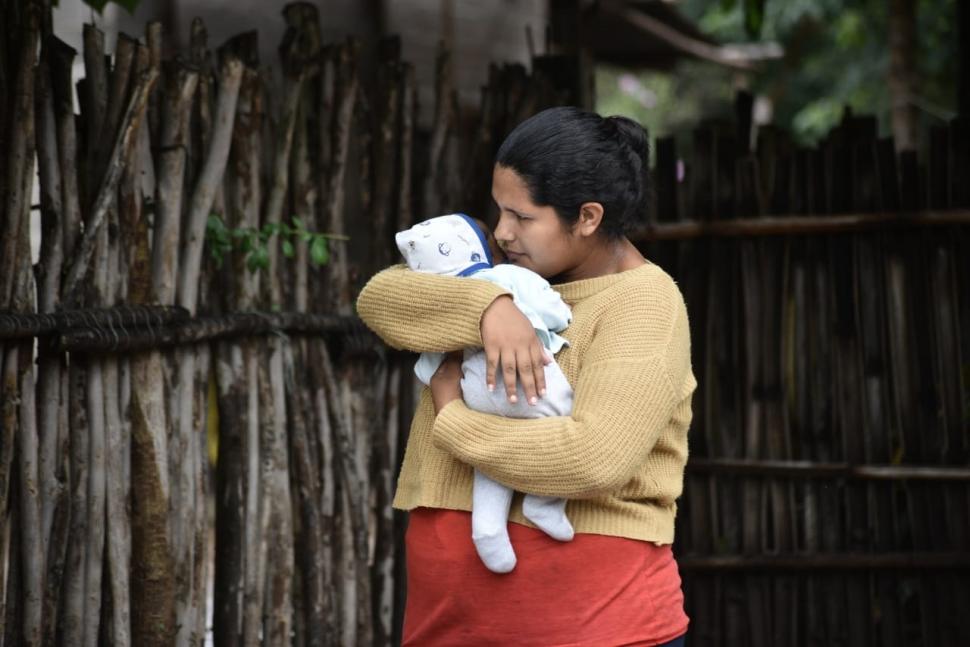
x=452, y=244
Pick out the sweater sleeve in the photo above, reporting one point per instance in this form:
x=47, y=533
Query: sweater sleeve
x=624, y=398
x=422, y=312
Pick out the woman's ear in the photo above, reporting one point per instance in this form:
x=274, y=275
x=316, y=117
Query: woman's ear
x=590, y=217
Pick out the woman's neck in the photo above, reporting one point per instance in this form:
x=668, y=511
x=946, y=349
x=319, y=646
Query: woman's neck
x=609, y=258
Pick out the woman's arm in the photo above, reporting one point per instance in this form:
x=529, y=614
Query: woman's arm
x=624, y=398
x=423, y=312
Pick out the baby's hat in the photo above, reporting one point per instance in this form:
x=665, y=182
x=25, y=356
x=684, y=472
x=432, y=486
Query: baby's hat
x=452, y=244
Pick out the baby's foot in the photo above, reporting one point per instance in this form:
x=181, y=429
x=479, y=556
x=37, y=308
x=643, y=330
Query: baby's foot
x=549, y=514
x=495, y=550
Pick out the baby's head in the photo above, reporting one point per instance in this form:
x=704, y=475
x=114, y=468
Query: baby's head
x=454, y=244
x=498, y=256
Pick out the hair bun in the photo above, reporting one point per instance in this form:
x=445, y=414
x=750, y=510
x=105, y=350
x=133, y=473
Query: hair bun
x=633, y=135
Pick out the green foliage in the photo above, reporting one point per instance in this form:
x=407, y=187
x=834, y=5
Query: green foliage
x=254, y=242
x=836, y=55
x=754, y=15
x=664, y=104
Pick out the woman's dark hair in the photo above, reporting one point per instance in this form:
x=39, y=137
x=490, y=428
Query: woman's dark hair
x=568, y=156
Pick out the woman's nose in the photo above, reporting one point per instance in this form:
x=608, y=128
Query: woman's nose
x=502, y=233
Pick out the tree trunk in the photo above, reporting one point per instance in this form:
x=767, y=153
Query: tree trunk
x=902, y=72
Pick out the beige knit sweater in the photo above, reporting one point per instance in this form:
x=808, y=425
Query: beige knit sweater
x=619, y=458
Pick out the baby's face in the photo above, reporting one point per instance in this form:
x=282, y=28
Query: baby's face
x=498, y=256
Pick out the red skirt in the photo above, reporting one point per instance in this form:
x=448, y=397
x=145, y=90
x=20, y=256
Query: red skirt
x=595, y=590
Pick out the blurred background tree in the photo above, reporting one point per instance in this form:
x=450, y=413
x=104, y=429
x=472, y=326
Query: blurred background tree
x=837, y=53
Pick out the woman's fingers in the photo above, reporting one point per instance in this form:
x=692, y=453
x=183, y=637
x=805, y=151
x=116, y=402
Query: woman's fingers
x=527, y=367
x=512, y=348
x=539, y=368
x=508, y=373
x=491, y=367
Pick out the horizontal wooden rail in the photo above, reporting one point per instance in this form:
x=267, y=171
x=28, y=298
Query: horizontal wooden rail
x=800, y=225
x=830, y=561
x=138, y=328
x=203, y=329
x=809, y=469
x=25, y=326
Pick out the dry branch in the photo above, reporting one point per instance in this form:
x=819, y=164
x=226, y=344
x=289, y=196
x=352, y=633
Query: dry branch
x=109, y=185
x=180, y=85
x=49, y=269
x=61, y=61
x=354, y=489
x=95, y=513
x=210, y=177
x=77, y=554
x=408, y=97
x=94, y=103
x=345, y=98
x=434, y=182
x=20, y=161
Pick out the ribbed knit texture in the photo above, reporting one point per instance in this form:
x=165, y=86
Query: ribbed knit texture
x=619, y=457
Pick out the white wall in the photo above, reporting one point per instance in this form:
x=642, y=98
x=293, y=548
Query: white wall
x=483, y=31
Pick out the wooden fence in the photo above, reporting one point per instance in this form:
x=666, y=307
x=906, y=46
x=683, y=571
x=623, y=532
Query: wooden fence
x=826, y=498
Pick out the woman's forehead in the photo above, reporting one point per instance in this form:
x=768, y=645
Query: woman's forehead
x=509, y=189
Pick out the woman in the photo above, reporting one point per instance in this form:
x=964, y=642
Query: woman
x=569, y=185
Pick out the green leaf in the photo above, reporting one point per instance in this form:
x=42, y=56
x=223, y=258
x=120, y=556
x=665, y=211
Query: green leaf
x=217, y=239
x=258, y=259
x=298, y=222
x=288, y=250
x=754, y=17
x=320, y=251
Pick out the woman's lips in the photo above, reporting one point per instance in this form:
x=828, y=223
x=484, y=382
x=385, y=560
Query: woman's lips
x=513, y=255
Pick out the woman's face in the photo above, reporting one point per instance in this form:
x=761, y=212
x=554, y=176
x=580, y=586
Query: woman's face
x=532, y=236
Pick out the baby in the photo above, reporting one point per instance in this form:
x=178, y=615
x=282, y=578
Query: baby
x=458, y=245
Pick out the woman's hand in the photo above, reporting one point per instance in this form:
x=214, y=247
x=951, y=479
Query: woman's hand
x=446, y=381
x=512, y=346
